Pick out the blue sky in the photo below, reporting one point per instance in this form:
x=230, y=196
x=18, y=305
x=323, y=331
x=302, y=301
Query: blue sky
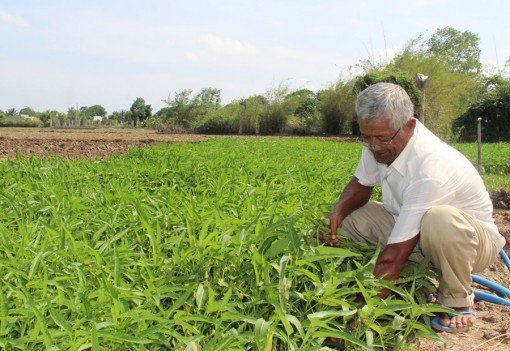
x=56, y=54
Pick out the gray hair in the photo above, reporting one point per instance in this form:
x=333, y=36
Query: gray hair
x=385, y=100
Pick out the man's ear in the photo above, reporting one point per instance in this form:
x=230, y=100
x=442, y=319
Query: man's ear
x=411, y=124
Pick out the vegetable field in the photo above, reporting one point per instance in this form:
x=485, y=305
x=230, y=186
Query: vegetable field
x=204, y=246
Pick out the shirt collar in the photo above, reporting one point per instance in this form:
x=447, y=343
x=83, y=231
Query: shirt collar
x=401, y=161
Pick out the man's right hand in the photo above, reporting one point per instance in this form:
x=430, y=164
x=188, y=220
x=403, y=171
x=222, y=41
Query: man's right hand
x=353, y=197
x=329, y=240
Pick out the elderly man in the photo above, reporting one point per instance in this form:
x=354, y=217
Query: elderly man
x=434, y=203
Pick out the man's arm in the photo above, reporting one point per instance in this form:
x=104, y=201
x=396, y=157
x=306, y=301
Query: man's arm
x=392, y=259
x=353, y=197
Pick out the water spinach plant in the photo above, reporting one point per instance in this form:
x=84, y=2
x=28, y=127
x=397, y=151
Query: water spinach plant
x=205, y=246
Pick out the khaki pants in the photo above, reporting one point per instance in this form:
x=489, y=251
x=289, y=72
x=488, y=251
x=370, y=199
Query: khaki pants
x=457, y=244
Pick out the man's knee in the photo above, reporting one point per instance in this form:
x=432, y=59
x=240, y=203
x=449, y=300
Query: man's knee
x=370, y=223
x=437, y=223
x=438, y=216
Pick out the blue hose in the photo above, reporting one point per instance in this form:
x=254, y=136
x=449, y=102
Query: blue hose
x=505, y=258
x=500, y=289
x=481, y=295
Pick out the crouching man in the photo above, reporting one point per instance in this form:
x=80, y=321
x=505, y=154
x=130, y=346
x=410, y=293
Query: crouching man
x=434, y=203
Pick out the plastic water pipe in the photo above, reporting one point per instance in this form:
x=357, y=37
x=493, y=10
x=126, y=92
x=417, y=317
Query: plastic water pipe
x=481, y=295
x=500, y=289
x=505, y=258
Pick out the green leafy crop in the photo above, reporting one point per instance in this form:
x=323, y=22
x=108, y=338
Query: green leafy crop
x=205, y=246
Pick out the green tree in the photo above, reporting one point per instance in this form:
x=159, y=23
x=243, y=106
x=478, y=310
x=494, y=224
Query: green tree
x=223, y=120
x=140, y=111
x=296, y=98
x=52, y=117
x=250, y=113
x=303, y=103
x=165, y=114
x=74, y=116
x=307, y=108
x=206, y=102
x=45, y=117
x=336, y=106
x=189, y=111
x=11, y=112
x=493, y=106
x=95, y=110
x=304, y=116
x=275, y=113
x=28, y=112
x=85, y=114
x=448, y=93
x=181, y=108
x=83, y=117
x=459, y=50
x=120, y=117
x=147, y=115
x=61, y=119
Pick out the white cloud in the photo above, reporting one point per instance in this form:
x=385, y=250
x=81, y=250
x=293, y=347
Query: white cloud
x=228, y=46
x=111, y=52
x=127, y=41
x=11, y=20
x=192, y=57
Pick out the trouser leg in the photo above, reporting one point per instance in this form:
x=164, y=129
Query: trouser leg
x=370, y=224
x=458, y=245
x=373, y=224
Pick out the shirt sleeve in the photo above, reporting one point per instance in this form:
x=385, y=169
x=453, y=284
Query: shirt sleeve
x=367, y=171
x=419, y=198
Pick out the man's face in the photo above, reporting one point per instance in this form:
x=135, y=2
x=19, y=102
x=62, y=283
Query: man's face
x=385, y=143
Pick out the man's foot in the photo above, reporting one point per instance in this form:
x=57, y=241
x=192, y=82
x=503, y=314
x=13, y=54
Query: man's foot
x=454, y=323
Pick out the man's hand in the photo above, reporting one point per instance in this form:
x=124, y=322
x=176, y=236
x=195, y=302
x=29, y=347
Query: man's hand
x=392, y=259
x=335, y=222
x=353, y=197
x=329, y=240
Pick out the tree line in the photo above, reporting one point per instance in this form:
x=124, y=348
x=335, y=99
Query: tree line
x=442, y=74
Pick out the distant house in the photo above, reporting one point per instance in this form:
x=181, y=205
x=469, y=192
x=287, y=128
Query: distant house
x=31, y=118
x=97, y=119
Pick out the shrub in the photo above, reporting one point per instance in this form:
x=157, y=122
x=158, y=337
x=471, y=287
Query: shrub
x=217, y=123
x=19, y=122
x=494, y=108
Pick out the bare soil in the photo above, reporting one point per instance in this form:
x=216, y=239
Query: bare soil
x=492, y=329
x=78, y=143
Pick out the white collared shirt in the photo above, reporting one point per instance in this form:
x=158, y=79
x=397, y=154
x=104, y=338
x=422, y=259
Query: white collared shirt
x=427, y=173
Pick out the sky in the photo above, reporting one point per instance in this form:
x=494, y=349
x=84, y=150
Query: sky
x=57, y=54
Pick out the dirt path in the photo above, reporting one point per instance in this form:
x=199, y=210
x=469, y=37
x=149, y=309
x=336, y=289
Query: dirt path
x=492, y=330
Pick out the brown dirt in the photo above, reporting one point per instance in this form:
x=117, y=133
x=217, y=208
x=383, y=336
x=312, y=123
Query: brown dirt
x=492, y=329
x=77, y=143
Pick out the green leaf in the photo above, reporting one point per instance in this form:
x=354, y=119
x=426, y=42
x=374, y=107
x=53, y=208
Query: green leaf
x=263, y=335
x=350, y=339
x=326, y=315
x=200, y=296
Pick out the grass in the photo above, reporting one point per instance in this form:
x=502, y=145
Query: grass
x=193, y=246
x=495, y=164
